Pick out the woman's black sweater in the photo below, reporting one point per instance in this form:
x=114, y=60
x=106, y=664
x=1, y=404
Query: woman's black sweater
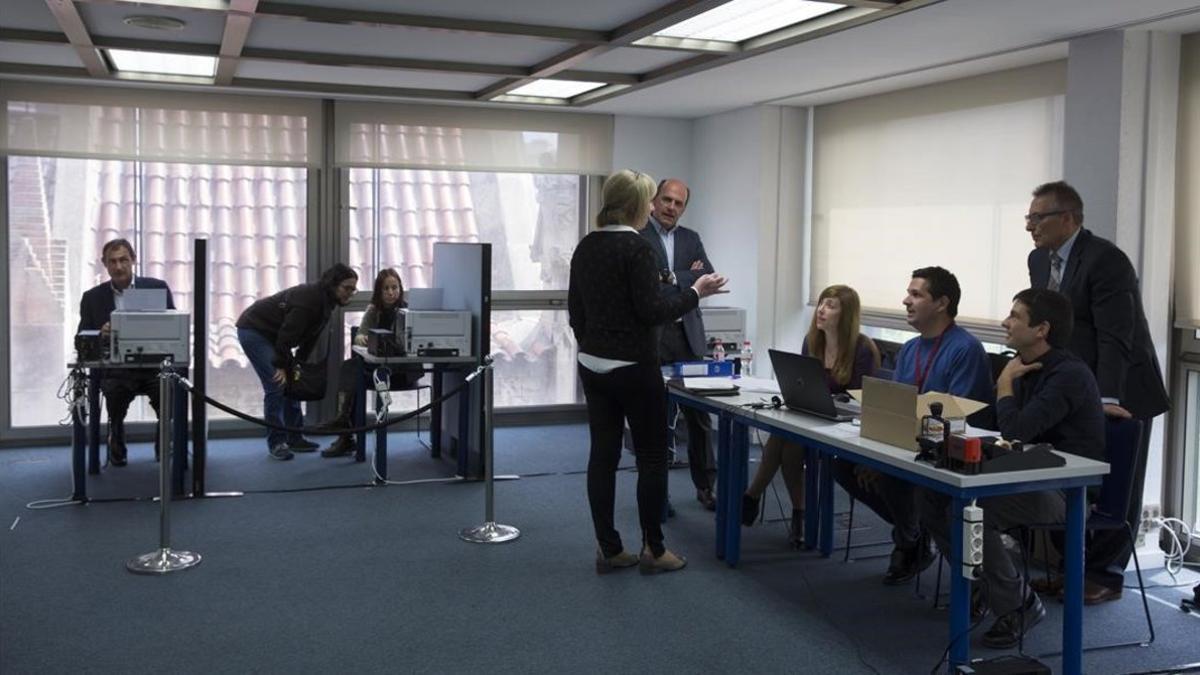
x=615, y=301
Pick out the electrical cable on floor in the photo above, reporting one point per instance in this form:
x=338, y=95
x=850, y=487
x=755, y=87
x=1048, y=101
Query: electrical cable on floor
x=970, y=629
x=829, y=618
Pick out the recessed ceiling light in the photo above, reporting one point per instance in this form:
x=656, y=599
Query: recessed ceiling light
x=125, y=60
x=555, y=88
x=155, y=22
x=743, y=19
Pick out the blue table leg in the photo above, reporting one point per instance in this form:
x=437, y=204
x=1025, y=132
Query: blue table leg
x=812, y=496
x=1072, y=663
x=960, y=590
x=739, y=459
x=381, y=471
x=825, y=464
x=78, y=442
x=93, y=424
x=360, y=415
x=723, y=482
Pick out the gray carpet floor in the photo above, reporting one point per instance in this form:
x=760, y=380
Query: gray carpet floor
x=375, y=579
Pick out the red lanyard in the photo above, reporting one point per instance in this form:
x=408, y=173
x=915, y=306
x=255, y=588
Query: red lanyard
x=923, y=373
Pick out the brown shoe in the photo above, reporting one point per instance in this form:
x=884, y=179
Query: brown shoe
x=1094, y=593
x=613, y=563
x=1046, y=585
x=667, y=562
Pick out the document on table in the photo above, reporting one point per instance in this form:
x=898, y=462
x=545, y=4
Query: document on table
x=757, y=385
x=702, y=384
x=843, y=430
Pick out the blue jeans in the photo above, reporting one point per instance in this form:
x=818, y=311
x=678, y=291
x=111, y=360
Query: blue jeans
x=276, y=409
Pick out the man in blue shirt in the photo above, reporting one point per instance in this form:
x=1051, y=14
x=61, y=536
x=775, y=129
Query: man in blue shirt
x=943, y=358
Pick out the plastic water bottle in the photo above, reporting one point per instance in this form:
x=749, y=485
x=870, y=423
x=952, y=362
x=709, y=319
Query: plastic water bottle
x=747, y=357
x=718, y=352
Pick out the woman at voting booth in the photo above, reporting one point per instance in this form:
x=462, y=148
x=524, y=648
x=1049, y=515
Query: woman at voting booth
x=387, y=299
x=847, y=356
x=614, y=306
x=272, y=328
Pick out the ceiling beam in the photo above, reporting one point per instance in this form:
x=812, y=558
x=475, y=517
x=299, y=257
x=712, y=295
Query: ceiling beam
x=71, y=23
x=315, y=58
x=233, y=40
x=352, y=17
x=643, y=26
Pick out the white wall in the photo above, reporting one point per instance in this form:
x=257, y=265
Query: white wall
x=747, y=204
x=658, y=146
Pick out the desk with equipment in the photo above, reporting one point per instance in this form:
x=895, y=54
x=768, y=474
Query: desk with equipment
x=140, y=339
x=827, y=439
x=449, y=329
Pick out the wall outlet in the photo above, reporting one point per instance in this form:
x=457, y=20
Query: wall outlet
x=1150, y=513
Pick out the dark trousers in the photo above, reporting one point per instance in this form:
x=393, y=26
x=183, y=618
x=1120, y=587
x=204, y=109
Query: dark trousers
x=896, y=501
x=1108, y=551
x=701, y=462
x=120, y=387
x=635, y=394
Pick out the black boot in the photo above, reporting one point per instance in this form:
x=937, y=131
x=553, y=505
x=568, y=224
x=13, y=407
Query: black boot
x=343, y=447
x=117, y=452
x=344, y=417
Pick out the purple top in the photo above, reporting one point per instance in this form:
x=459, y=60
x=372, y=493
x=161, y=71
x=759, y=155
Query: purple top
x=864, y=366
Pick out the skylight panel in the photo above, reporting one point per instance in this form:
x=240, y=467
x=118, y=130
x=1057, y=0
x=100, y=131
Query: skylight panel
x=555, y=88
x=159, y=63
x=744, y=19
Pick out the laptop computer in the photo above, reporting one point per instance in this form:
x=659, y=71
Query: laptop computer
x=802, y=384
x=144, y=299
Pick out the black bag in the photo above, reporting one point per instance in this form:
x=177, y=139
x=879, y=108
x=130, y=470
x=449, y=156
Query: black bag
x=306, y=381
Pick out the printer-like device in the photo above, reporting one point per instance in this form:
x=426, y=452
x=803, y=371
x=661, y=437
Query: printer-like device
x=149, y=336
x=434, y=332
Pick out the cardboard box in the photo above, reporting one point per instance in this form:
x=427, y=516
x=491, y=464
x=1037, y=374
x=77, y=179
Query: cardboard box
x=892, y=411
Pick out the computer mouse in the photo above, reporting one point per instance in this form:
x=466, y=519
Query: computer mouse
x=842, y=398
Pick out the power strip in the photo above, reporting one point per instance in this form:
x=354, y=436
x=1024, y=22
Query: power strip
x=972, y=558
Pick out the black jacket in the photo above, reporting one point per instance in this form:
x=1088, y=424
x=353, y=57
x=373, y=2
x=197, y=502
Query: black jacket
x=1058, y=404
x=97, y=304
x=614, y=299
x=293, y=318
x=1110, y=333
x=688, y=249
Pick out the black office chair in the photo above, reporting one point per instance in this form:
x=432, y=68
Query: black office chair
x=998, y=361
x=1122, y=438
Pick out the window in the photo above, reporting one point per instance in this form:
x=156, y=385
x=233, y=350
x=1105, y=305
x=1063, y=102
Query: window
x=533, y=222
x=937, y=175
x=61, y=211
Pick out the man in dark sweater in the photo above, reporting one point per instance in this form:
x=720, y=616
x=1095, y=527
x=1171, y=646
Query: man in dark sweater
x=1044, y=395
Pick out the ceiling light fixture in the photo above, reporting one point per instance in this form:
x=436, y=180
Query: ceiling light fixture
x=555, y=88
x=154, y=22
x=161, y=63
x=744, y=19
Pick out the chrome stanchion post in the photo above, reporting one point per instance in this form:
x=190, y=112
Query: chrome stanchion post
x=490, y=532
x=164, y=559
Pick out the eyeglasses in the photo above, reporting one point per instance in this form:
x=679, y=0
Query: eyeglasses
x=1035, y=218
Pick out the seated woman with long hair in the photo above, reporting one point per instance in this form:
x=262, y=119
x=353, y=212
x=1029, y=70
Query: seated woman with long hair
x=848, y=356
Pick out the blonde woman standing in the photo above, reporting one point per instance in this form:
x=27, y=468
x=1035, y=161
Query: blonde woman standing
x=615, y=306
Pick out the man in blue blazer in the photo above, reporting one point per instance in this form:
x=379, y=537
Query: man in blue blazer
x=682, y=260
x=119, y=385
x=1110, y=335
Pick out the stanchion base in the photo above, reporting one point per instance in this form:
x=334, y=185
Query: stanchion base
x=489, y=533
x=162, y=561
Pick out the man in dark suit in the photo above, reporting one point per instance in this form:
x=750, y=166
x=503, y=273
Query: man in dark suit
x=1110, y=335
x=119, y=385
x=682, y=260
